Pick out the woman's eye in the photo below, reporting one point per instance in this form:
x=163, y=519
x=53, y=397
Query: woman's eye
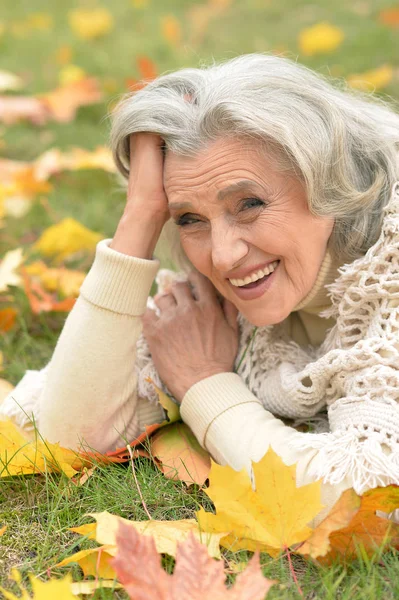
x=252, y=203
x=186, y=220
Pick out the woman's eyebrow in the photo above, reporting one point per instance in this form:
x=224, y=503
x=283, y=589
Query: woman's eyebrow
x=244, y=184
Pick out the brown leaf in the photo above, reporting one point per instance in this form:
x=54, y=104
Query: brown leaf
x=7, y=319
x=196, y=575
x=366, y=529
x=23, y=108
x=390, y=16
x=340, y=515
x=180, y=454
x=63, y=102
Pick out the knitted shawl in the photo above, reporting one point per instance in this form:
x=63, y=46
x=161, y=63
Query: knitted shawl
x=354, y=373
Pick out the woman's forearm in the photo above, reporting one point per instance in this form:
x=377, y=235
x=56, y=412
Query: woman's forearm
x=90, y=392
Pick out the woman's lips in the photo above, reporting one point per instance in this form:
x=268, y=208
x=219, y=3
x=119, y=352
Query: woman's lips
x=257, y=289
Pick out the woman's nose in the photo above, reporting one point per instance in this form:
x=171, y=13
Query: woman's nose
x=228, y=248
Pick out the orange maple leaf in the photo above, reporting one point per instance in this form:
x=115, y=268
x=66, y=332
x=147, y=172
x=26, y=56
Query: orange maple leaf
x=41, y=301
x=63, y=102
x=197, y=576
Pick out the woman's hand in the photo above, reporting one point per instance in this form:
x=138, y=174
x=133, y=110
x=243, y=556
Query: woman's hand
x=146, y=210
x=194, y=337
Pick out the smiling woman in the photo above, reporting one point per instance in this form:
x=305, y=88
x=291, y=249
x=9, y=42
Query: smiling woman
x=278, y=195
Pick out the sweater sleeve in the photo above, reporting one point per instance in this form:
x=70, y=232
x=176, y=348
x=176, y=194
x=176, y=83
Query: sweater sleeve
x=232, y=424
x=87, y=394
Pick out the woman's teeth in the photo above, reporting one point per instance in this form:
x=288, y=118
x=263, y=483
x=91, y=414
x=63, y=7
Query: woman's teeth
x=255, y=276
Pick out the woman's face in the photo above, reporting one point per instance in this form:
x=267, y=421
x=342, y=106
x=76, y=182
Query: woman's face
x=237, y=216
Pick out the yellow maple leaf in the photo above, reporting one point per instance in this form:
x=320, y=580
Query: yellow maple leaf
x=91, y=23
x=320, y=38
x=66, y=281
x=66, y=238
x=375, y=79
x=171, y=29
x=272, y=518
x=165, y=533
x=41, y=590
x=21, y=456
x=70, y=74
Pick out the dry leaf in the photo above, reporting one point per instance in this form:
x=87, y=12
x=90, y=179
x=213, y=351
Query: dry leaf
x=42, y=301
x=390, y=16
x=7, y=319
x=21, y=456
x=366, y=529
x=374, y=79
x=196, y=576
x=90, y=23
x=89, y=587
x=63, y=280
x=94, y=562
x=71, y=74
x=320, y=38
x=165, y=533
x=271, y=518
x=9, y=81
x=171, y=30
x=23, y=108
x=63, y=102
x=181, y=456
x=3, y=530
x=9, y=267
x=65, y=239
x=318, y=544
x=147, y=70
x=41, y=590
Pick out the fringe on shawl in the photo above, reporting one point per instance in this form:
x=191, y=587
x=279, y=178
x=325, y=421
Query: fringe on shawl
x=347, y=453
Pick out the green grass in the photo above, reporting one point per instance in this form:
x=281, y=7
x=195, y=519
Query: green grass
x=39, y=510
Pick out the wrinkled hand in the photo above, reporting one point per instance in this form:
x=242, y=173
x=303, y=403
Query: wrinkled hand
x=194, y=337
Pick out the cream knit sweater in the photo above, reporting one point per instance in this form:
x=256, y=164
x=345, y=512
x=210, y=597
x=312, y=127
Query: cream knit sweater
x=93, y=391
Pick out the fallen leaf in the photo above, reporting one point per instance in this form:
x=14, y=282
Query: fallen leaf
x=320, y=38
x=181, y=456
x=9, y=267
x=94, y=562
x=147, y=71
x=318, y=544
x=22, y=456
x=42, y=301
x=63, y=102
x=3, y=530
x=366, y=530
x=88, y=587
x=7, y=319
x=41, y=590
x=165, y=533
x=196, y=576
x=375, y=79
x=390, y=16
x=90, y=23
x=171, y=29
x=63, y=55
x=66, y=281
x=272, y=518
x=9, y=81
x=71, y=74
x=65, y=239
x=14, y=109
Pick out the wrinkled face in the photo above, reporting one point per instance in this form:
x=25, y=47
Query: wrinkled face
x=246, y=226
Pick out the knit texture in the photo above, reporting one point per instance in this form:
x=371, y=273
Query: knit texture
x=354, y=373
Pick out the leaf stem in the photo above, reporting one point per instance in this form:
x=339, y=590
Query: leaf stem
x=288, y=553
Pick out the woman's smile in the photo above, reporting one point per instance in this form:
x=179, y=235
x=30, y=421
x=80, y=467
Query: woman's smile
x=245, y=224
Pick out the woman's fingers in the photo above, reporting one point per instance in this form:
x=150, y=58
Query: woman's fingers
x=165, y=301
x=204, y=290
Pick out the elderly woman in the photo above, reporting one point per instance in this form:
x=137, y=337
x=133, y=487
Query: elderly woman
x=278, y=195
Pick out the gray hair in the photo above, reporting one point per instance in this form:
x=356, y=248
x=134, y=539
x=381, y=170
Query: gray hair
x=343, y=144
